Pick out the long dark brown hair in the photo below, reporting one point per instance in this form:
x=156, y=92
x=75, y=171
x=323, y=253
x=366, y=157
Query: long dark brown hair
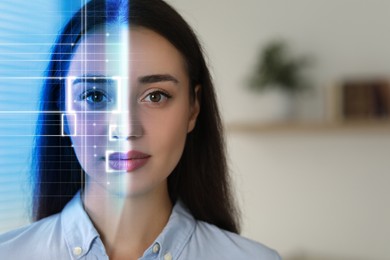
x=200, y=180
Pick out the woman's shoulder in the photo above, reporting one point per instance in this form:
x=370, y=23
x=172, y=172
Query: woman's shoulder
x=32, y=237
x=43, y=225
x=228, y=245
x=196, y=239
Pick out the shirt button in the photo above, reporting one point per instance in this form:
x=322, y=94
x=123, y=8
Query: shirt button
x=168, y=256
x=156, y=248
x=77, y=251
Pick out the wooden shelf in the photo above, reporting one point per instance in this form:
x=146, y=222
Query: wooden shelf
x=371, y=126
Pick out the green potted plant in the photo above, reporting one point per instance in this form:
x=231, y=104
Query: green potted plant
x=276, y=68
x=278, y=76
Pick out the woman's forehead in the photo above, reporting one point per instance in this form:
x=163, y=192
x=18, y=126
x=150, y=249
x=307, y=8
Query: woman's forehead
x=123, y=50
x=119, y=38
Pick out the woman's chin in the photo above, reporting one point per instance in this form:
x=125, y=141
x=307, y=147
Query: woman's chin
x=126, y=187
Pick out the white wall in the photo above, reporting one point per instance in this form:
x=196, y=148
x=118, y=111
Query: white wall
x=323, y=196
x=309, y=195
x=346, y=38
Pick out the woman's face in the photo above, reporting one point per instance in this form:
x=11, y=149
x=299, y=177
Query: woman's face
x=128, y=109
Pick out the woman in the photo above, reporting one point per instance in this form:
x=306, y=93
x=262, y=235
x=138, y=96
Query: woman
x=129, y=153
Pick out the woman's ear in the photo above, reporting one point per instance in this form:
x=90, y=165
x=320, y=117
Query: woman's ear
x=195, y=108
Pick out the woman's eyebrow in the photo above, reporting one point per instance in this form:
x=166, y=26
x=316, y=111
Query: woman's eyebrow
x=148, y=79
x=98, y=79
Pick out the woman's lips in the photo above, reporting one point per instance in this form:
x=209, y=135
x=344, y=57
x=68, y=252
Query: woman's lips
x=129, y=161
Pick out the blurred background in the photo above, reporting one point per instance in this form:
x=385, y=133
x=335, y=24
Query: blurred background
x=310, y=165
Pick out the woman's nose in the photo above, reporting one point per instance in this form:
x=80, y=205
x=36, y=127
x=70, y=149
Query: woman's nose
x=126, y=126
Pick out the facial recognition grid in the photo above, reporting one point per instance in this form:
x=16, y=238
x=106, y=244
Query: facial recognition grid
x=27, y=33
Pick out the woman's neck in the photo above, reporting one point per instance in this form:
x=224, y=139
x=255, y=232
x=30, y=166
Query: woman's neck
x=127, y=225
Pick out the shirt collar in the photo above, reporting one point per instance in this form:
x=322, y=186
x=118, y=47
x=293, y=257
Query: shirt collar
x=175, y=235
x=78, y=229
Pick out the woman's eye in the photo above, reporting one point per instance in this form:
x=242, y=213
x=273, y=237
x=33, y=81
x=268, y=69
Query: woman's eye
x=157, y=97
x=95, y=97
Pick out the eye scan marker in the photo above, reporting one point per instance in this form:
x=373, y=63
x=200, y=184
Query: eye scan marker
x=63, y=126
x=94, y=90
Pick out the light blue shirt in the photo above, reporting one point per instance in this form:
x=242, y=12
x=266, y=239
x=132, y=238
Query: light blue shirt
x=71, y=235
